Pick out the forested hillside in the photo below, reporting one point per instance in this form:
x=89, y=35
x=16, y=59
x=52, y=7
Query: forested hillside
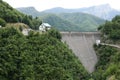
x=73, y=21
x=86, y=22
x=37, y=57
x=11, y=15
x=108, y=66
x=111, y=30
x=60, y=23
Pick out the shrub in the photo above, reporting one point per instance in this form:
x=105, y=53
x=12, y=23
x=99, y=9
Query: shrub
x=2, y=22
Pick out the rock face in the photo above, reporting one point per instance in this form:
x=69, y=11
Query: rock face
x=103, y=11
x=82, y=45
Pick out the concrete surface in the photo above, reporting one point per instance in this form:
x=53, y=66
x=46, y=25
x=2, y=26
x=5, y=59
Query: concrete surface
x=82, y=45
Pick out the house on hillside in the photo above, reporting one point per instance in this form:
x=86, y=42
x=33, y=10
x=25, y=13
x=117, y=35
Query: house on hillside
x=0, y=26
x=44, y=27
x=26, y=31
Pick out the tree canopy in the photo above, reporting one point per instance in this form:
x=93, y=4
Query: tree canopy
x=108, y=66
x=111, y=29
x=11, y=15
x=37, y=57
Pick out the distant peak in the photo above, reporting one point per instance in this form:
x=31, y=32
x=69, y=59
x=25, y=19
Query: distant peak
x=104, y=5
x=58, y=8
x=31, y=7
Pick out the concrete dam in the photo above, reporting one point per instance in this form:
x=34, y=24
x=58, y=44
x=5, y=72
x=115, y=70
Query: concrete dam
x=81, y=44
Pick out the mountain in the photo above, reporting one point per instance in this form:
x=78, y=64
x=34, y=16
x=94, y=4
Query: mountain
x=29, y=11
x=103, y=11
x=60, y=10
x=59, y=23
x=73, y=21
x=85, y=21
x=11, y=15
x=66, y=21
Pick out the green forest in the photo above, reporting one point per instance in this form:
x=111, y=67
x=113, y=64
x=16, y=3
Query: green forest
x=111, y=30
x=108, y=66
x=37, y=57
x=79, y=22
x=44, y=57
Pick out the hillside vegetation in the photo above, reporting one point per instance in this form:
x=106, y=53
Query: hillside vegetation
x=11, y=15
x=37, y=57
x=111, y=30
x=108, y=66
x=59, y=23
x=73, y=21
x=85, y=21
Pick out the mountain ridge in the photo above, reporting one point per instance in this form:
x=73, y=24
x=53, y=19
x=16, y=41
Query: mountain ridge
x=73, y=21
x=80, y=21
x=59, y=23
x=28, y=10
x=104, y=11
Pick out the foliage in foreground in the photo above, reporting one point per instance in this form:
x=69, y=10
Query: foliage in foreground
x=108, y=66
x=37, y=57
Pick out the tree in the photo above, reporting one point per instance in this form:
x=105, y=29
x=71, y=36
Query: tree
x=37, y=57
x=111, y=29
x=2, y=22
x=54, y=33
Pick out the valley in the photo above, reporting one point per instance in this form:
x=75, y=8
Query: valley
x=59, y=43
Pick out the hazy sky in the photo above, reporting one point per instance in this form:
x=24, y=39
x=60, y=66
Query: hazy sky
x=47, y=4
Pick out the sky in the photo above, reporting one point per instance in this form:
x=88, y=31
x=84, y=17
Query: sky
x=41, y=5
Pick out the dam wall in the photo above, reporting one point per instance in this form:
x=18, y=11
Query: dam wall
x=81, y=44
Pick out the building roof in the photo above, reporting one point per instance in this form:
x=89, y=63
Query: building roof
x=46, y=24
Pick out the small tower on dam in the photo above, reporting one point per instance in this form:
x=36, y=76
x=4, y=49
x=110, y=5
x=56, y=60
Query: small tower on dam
x=97, y=42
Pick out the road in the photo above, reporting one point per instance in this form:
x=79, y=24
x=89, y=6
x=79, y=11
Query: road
x=112, y=45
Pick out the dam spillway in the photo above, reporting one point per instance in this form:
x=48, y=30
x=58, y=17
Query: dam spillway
x=81, y=44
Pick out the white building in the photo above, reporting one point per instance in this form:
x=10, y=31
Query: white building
x=44, y=27
x=0, y=26
x=97, y=42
